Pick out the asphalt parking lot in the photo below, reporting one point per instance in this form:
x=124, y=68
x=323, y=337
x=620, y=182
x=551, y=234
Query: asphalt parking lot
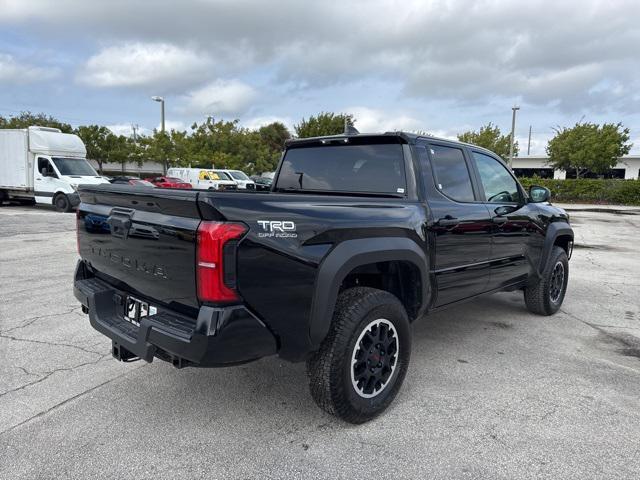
x=492, y=390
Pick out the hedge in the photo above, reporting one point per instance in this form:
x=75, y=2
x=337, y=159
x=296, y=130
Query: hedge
x=584, y=190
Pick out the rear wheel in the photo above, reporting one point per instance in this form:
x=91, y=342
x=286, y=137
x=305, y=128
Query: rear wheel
x=362, y=362
x=546, y=296
x=62, y=203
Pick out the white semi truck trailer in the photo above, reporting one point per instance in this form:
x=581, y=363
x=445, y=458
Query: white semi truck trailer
x=43, y=165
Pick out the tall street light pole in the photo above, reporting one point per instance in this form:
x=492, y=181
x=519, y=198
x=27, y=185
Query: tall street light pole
x=513, y=131
x=161, y=100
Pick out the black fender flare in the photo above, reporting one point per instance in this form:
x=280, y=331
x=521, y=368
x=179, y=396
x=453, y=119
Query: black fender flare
x=554, y=230
x=351, y=254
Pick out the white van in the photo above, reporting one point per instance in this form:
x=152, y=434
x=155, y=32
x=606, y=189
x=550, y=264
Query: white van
x=44, y=165
x=204, y=178
x=241, y=178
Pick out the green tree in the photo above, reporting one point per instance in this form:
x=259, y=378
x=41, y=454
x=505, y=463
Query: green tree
x=325, y=123
x=274, y=135
x=28, y=119
x=490, y=137
x=158, y=148
x=94, y=138
x=120, y=149
x=588, y=147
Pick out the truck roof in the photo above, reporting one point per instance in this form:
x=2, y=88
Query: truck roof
x=402, y=137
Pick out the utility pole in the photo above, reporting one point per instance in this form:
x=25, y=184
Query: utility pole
x=513, y=131
x=161, y=100
x=529, y=143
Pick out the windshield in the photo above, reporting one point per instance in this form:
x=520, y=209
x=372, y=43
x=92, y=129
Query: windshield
x=74, y=166
x=239, y=175
x=222, y=176
x=377, y=168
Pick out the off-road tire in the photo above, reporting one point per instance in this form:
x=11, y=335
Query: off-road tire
x=62, y=203
x=541, y=297
x=330, y=368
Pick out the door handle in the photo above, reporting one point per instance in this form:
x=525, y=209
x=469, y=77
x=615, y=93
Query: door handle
x=448, y=221
x=500, y=220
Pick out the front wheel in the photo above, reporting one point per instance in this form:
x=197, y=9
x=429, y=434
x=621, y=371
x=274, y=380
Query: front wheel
x=546, y=296
x=362, y=362
x=62, y=203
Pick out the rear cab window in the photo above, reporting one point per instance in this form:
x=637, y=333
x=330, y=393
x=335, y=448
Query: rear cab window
x=451, y=172
x=374, y=167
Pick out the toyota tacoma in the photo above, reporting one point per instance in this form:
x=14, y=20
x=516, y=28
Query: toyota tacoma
x=360, y=236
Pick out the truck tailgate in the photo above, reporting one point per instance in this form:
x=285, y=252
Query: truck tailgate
x=142, y=240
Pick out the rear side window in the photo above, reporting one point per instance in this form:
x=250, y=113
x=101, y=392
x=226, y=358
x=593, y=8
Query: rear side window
x=451, y=173
x=375, y=168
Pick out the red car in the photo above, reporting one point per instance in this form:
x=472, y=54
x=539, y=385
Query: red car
x=169, y=182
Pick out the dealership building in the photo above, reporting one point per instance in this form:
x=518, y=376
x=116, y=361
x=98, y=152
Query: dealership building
x=628, y=167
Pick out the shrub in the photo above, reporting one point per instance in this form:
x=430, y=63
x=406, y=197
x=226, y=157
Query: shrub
x=585, y=190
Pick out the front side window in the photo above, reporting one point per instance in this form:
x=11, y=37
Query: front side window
x=451, y=173
x=368, y=168
x=43, y=164
x=499, y=186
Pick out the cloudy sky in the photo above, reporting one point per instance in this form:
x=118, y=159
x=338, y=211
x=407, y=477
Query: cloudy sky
x=441, y=66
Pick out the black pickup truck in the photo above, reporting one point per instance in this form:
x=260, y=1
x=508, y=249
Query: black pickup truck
x=359, y=236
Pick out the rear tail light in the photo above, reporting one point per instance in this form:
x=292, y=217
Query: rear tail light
x=215, y=257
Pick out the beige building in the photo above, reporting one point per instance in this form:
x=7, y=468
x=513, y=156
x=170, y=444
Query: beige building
x=628, y=167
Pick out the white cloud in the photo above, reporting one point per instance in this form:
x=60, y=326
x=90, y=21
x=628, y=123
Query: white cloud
x=160, y=65
x=122, y=129
x=371, y=120
x=220, y=98
x=12, y=71
x=126, y=129
x=473, y=59
x=257, y=122
x=544, y=51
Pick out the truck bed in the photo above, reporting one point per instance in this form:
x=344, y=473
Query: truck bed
x=277, y=264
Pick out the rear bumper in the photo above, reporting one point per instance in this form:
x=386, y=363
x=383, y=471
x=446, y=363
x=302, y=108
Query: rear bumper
x=218, y=337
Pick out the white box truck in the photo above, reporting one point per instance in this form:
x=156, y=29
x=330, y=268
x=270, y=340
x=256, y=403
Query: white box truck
x=204, y=178
x=43, y=165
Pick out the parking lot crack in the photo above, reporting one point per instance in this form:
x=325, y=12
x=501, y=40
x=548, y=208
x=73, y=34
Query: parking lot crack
x=46, y=375
x=30, y=321
x=54, y=344
x=64, y=402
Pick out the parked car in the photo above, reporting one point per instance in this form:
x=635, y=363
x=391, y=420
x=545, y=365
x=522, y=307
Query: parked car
x=169, y=182
x=242, y=179
x=43, y=165
x=204, y=178
x=360, y=236
x=131, y=181
x=262, y=183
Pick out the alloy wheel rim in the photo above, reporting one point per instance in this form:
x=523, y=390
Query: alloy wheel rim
x=374, y=358
x=557, y=282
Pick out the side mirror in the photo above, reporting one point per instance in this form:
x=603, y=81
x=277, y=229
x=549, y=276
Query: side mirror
x=539, y=194
x=44, y=172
